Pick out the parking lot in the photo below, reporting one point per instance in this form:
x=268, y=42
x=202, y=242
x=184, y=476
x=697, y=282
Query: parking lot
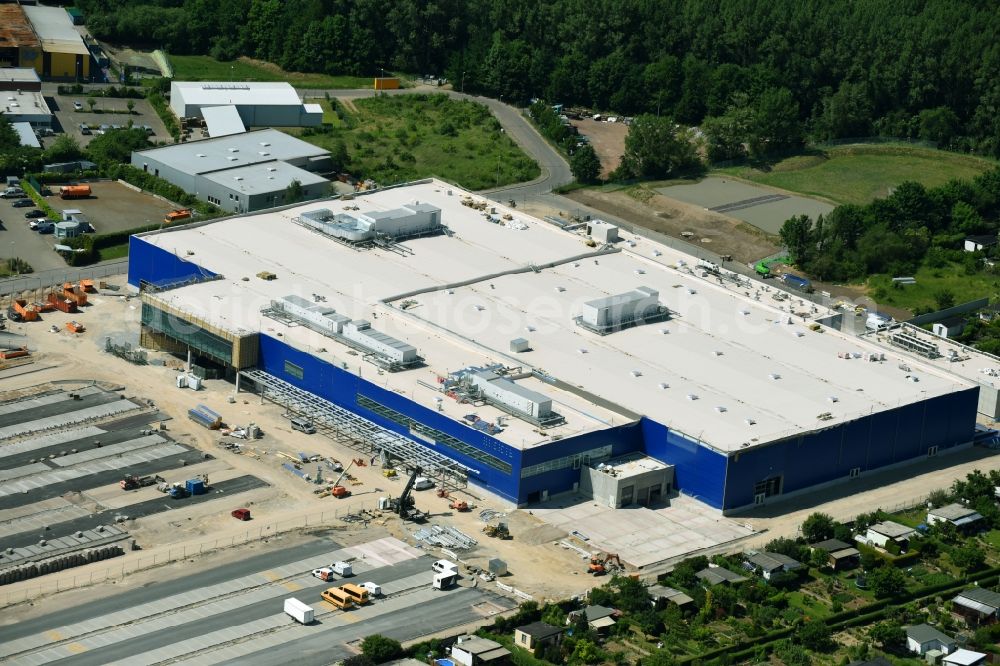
x=113, y=111
x=233, y=615
x=113, y=207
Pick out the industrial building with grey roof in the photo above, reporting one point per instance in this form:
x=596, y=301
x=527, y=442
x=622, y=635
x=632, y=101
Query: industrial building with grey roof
x=241, y=172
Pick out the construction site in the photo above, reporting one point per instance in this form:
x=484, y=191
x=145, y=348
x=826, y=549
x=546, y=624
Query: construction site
x=273, y=406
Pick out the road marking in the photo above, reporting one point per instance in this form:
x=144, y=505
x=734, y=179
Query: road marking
x=292, y=587
x=272, y=575
x=76, y=648
x=54, y=635
x=348, y=618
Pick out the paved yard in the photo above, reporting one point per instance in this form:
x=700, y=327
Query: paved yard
x=115, y=112
x=114, y=207
x=643, y=536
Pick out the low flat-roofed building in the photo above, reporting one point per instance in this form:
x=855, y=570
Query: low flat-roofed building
x=923, y=638
x=842, y=555
x=963, y=657
x=660, y=595
x=771, y=564
x=633, y=479
x=240, y=172
x=19, y=78
x=473, y=651
x=25, y=106
x=66, y=55
x=720, y=576
x=956, y=514
x=882, y=533
x=537, y=634
x=978, y=606
x=258, y=103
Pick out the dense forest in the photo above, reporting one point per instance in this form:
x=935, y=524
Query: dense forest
x=839, y=68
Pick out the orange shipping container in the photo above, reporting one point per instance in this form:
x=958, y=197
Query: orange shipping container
x=13, y=353
x=75, y=295
x=62, y=304
x=87, y=285
x=74, y=327
x=386, y=83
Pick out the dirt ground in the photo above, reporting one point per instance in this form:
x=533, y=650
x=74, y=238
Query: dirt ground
x=114, y=207
x=608, y=140
x=545, y=571
x=644, y=207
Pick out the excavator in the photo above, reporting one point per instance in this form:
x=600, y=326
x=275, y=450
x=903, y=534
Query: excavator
x=605, y=563
x=498, y=531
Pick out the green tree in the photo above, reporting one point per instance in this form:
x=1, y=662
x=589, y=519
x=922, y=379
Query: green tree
x=63, y=149
x=775, y=125
x=130, y=105
x=944, y=299
x=294, y=191
x=968, y=557
x=586, y=652
x=796, y=234
x=939, y=125
x=90, y=103
x=656, y=148
x=358, y=660
x=658, y=658
x=381, y=649
x=585, y=164
x=890, y=636
x=818, y=527
x=117, y=146
x=814, y=635
x=887, y=581
x=846, y=113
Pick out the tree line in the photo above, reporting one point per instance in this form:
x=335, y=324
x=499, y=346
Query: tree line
x=760, y=76
x=911, y=227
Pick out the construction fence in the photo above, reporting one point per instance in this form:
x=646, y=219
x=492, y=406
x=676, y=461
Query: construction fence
x=138, y=561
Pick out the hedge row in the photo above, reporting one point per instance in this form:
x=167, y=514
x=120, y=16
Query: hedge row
x=147, y=181
x=159, y=104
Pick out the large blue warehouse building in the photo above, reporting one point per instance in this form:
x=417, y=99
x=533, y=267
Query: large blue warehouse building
x=525, y=353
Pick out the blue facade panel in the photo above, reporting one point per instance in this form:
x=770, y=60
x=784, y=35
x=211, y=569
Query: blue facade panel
x=343, y=388
x=887, y=438
x=149, y=263
x=698, y=471
x=622, y=439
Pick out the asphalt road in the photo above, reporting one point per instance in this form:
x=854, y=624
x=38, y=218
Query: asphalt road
x=193, y=580
x=199, y=626
x=140, y=510
x=57, y=408
x=328, y=647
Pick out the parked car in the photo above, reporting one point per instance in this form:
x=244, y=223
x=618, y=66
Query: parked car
x=34, y=213
x=45, y=227
x=77, y=106
x=12, y=193
x=84, y=129
x=23, y=203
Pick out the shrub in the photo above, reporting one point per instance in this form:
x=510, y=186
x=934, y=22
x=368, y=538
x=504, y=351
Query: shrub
x=380, y=649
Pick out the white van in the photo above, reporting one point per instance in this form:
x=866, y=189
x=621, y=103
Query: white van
x=442, y=566
x=422, y=483
x=302, y=425
x=374, y=589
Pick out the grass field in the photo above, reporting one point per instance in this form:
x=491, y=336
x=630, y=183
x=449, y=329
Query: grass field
x=206, y=68
x=930, y=281
x=395, y=138
x=859, y=173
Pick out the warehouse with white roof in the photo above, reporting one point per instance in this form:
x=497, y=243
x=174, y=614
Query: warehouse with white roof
x=536, y=357
x=258, y=103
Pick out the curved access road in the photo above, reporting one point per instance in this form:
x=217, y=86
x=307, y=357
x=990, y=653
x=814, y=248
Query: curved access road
x=555, y=169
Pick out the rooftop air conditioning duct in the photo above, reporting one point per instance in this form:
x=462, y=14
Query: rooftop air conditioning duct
x=663, y=385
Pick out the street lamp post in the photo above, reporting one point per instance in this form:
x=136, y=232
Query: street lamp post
x=463, y=81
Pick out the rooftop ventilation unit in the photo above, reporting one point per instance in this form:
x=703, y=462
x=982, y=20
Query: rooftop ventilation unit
x=774, y=375
x=833, y=398
x=657, y=253
x=637, y=373
x=234, y=150
x=721, y=409
x=663, y=385
x=272, y=169
x=199, y=154
x=493, y=385
x=692, y=396
x=613, y=313
x=232, y=159
x=265, y=143
x=749, y=421
x=263, y=153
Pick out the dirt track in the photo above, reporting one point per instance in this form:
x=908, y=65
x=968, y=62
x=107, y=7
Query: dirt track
x=646, y=208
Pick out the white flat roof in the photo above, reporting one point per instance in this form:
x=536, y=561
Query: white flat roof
x=254, y=93
x=23, y=103
x=55, y=29
x=266, y=177
x=27, y=134
x=235, y=150
x=223, y=121
x=19, y=75
x=722, y=344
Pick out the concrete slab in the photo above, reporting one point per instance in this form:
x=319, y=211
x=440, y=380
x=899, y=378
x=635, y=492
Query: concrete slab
x=643, y=536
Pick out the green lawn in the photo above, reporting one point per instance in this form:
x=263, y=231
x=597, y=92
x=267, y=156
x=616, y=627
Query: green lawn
x=114, y=252
x=396, y=138
x=930, y=281
x=859, y=173
x=206, y=68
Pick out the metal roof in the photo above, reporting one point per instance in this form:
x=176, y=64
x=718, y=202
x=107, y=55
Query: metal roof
x=954, y=512
x=15, y=30
x=540, y=630
x=831, y=545
x=223, y=121
x=55, y=30
x=218, y=93
x=26, y=134
x=965, y=658
x=207, y=155
x=262, y=178
x=985, y=601
x=892, y=529
x=773, y=561
x=628, y=297
x=925, y=633
x=18, y=74
x=716, y=575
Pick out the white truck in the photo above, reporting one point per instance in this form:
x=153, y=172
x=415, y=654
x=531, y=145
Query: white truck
x=374, y=589
x=342, y=569
x=444, y=566
x=300, y=612
x=444, y=580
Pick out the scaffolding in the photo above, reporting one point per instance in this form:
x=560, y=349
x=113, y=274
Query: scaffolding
x=359, y=433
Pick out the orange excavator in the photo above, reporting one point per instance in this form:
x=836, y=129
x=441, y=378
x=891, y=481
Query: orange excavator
x=459, y=505
x=605, y=563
